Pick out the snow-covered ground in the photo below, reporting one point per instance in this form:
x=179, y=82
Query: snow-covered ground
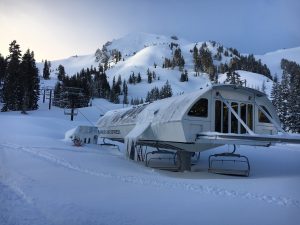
x=46, y=180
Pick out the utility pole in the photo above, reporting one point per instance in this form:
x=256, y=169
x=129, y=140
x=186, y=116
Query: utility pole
x=50, y=99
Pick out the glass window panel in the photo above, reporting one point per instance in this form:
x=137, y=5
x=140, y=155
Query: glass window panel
x=234, y=120
x=218, y=115
x=250, y=116
x=262, y=118
x=200, y=109
x=225, y=118
x=243, y=110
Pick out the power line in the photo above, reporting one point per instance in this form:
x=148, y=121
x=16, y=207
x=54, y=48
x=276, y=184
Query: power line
x=86, y=118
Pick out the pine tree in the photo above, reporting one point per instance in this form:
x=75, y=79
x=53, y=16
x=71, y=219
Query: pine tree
x=119, y=82
x=166, y=91
x=46, y=70
x=57, y=95
x=275, y=92
x=149, y=76
x=12, y=88
x=130, y=80
x=133, y=78
x=284, y=98
x=184, y=76
x=196, y=60
x=61, y=73
x=290, y=92
x=30, y=78
x=125, y=93
x=233, y=78
x=205, y=58
x=139, y=78
x=3, y=65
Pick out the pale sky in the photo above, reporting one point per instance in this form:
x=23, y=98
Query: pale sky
x=56, y=29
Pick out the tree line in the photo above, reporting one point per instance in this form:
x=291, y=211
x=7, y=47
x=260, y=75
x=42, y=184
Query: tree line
x=285, y=96
x=19, y=80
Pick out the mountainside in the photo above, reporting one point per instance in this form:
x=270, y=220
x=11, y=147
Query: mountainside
x=273, y=59
x=140, y=52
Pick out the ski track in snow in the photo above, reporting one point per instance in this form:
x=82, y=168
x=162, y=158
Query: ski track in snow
x=16, y=206
x=157, y=182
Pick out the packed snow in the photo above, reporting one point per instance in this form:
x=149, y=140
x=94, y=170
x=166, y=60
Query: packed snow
x=44, y=179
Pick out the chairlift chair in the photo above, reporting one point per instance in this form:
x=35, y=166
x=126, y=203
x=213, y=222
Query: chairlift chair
x=216, y=164
x=68, y=111
x=162, y=159
x=109, y=144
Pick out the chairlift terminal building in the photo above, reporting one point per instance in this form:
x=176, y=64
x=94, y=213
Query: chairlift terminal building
x=198, y=121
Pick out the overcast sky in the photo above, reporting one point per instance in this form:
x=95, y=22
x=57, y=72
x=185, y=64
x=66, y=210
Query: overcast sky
x=56, y=29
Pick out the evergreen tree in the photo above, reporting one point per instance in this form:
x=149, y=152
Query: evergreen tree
x=130, y=79
x=220, y=49
x=3, y=65
x=125, y=93
x=184, y=76
x=166, y=91
x=119, y=82
x=149, y=76
x=284, y=114
x=46, y=70
x=61, y=73
x=30, y=78
x=57, y=95
x=233, y=78
x=212, y=73
x=12, y=88
x=114, y=97
x=178, y=59
x=289, y=106
x=205, y=58
x=275, y=92
x=139, y=78
x=196, y=60
x=101, y=85
x=167, y=63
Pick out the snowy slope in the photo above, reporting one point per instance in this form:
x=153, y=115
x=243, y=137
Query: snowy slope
x=253, y=80
x=46, y=180
x=134, y=42
x=273, y=59
x=72, y=64
x=140, y=51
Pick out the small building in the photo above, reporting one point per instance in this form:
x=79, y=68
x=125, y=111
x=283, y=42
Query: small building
x=86, y=134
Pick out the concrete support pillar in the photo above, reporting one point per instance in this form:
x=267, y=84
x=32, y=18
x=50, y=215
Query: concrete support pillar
x=184, y=160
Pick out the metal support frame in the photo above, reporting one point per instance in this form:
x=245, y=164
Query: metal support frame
x=278, y=127
x=235, y=114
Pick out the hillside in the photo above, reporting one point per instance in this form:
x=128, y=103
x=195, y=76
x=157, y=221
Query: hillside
x=141, y=51
x=273, y=59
